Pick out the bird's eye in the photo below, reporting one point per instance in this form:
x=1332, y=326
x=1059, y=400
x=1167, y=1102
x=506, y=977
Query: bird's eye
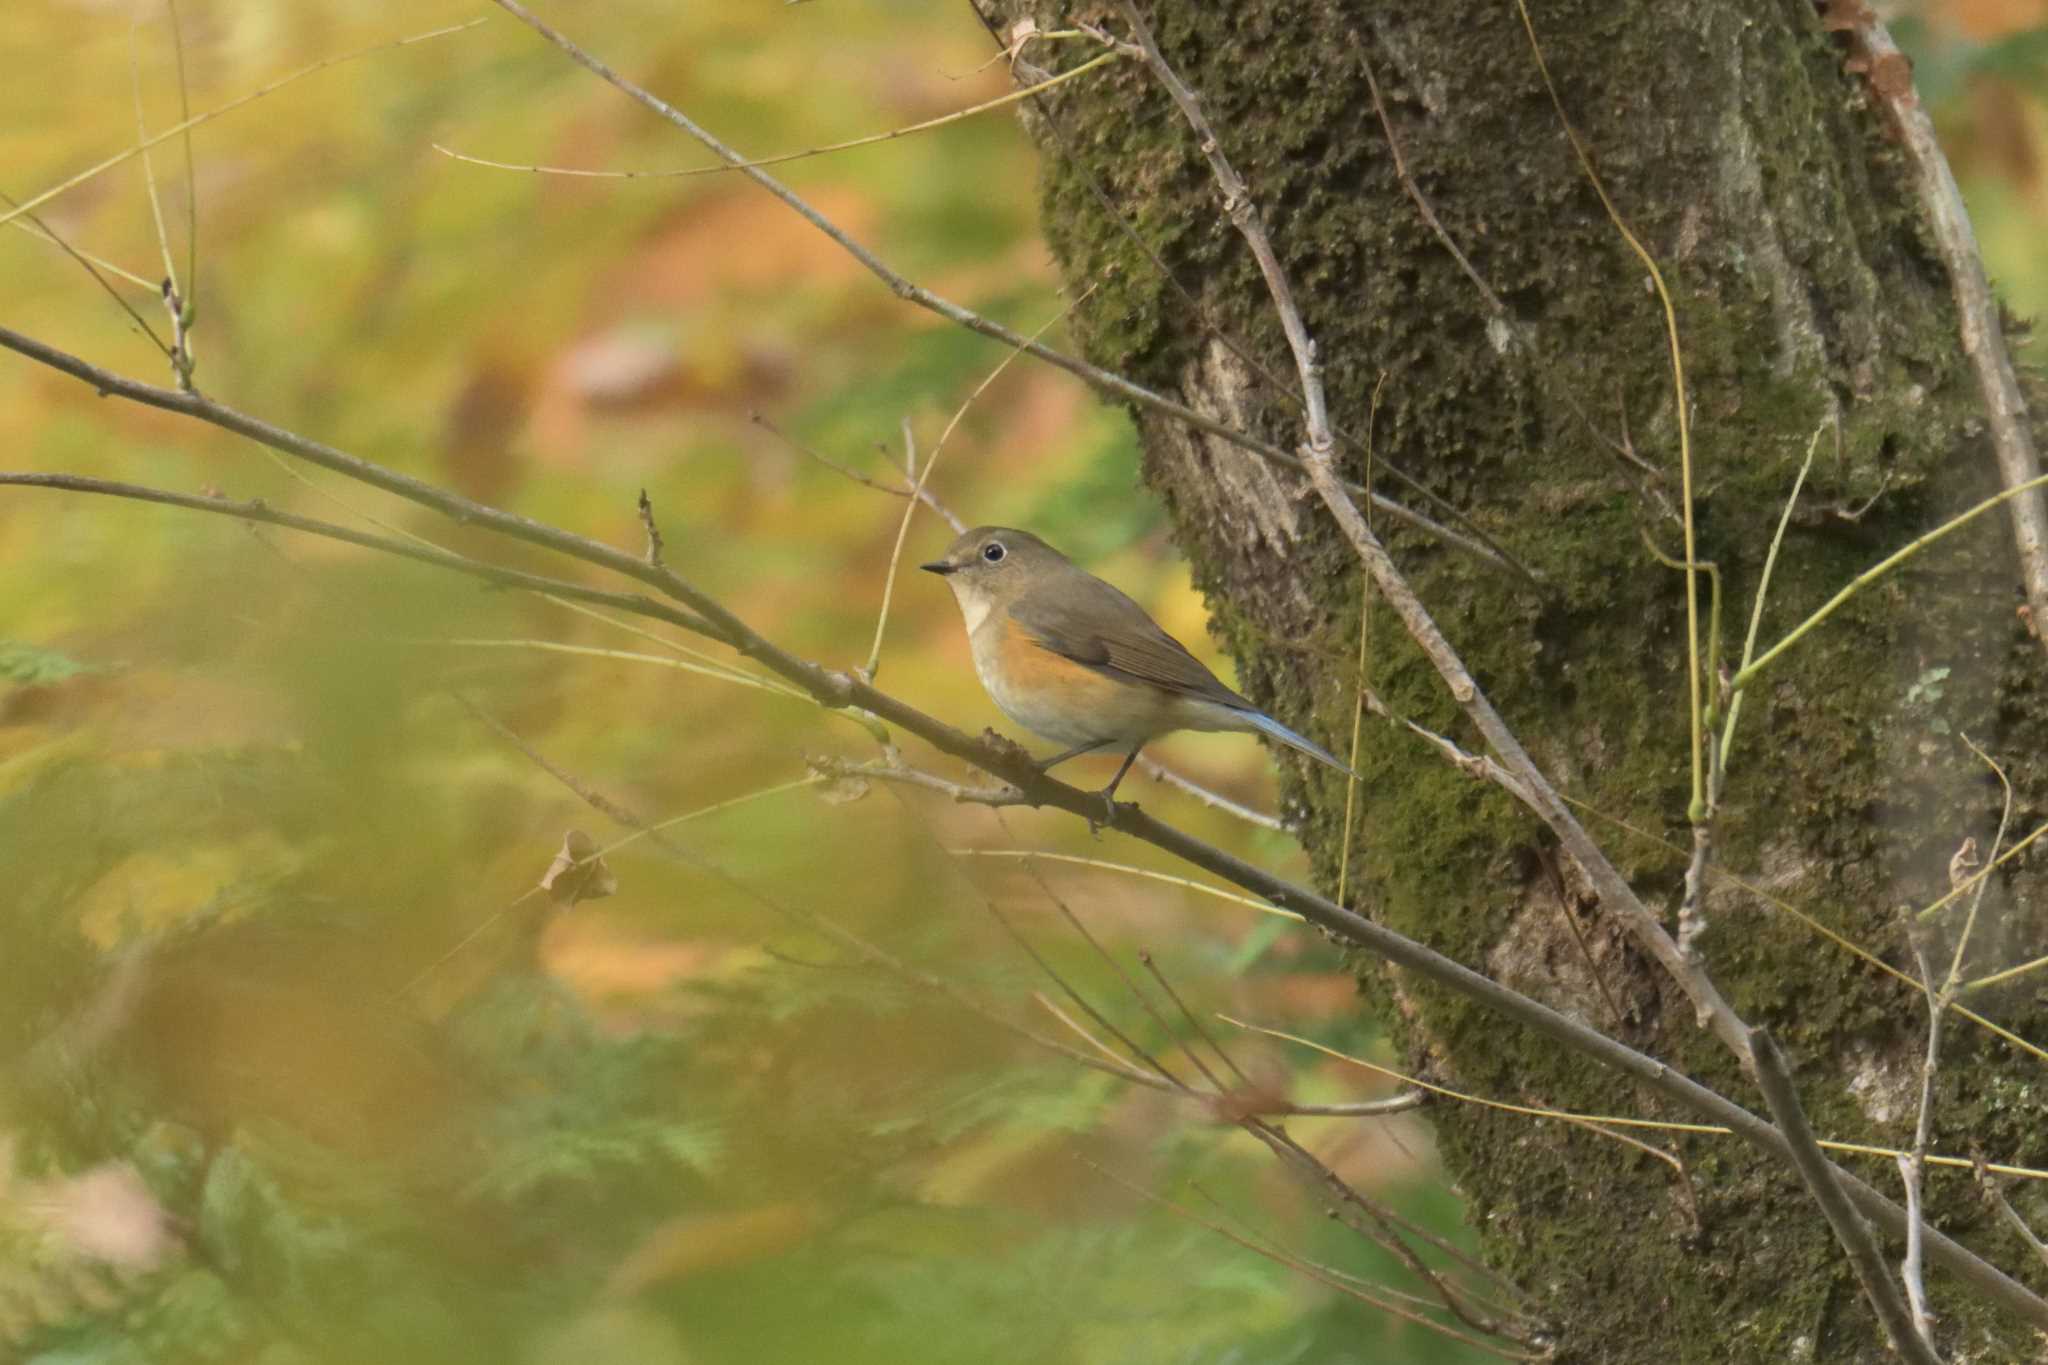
x=993, y=552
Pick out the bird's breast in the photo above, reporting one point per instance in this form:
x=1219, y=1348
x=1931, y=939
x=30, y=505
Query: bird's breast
x=1051, y=695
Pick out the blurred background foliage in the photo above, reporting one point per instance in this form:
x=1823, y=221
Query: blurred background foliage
x=295, y=1062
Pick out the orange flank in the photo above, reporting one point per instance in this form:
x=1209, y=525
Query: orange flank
x=1051, y=695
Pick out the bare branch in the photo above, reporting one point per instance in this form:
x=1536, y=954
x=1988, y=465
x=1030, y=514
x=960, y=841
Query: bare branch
x=647, y=522
x=257, y=510
x=1104, y=381
x=1208, y=797
x=993, y=797
x=1414, y=191
x=1983, y=338
x=93, y=266
x=186, y=125
x=923, y=495
x=1821, y=1181
x=1000, y=758
x=1101, y=59
x=1273, y=381
x=1314, y=1272
x=1243, y=213
x=1613, y=888
x=1913, y=1166
x=1995, y=1197
x=1712, y=1010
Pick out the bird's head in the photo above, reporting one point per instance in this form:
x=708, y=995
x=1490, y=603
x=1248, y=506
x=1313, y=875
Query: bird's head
x=991, y=566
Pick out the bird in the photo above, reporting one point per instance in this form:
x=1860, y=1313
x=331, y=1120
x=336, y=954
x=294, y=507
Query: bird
x=1073, y=660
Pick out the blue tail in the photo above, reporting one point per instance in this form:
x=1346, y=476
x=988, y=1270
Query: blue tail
x=1266, y=725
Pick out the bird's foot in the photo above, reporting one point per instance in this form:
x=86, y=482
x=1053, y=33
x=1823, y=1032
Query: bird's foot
x=1108, y=795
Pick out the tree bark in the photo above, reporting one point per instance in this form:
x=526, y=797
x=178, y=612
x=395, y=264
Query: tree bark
x=1755, y=166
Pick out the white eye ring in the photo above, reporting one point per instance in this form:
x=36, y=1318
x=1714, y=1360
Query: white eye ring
x=993, y=552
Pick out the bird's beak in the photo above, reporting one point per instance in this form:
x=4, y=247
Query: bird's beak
x=940, y=566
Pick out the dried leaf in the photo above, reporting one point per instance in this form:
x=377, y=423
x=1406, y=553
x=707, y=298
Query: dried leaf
x=1963, y=865
x=1892, y=76
x=577, y=873
x=843, y=789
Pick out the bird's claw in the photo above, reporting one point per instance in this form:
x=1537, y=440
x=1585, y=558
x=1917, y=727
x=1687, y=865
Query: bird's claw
x=1095, y=826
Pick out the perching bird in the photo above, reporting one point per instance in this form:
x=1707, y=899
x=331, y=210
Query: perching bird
x=1068, y=657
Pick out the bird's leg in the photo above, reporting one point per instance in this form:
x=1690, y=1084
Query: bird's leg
x=1109, y=792
x=1131, y=758
x=1074, y=752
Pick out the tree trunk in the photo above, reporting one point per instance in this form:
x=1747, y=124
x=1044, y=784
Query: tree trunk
x=1758, y=171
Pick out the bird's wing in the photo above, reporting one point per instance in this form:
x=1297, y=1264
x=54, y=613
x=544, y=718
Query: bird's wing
x=1098, y=627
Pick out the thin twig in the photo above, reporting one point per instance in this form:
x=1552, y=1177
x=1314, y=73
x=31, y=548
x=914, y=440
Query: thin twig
x=1955, y=966
x=1222, y=1211
x=1194, y=1021
x=993, y=797
x=1983, y=338
x=191, y=163
x=258, y=511
x=648, y=524
x=1108, y=959
x=1602, y=1123
x=917, y=491
x=1710, y=1008
x=1913, y=1166
x=1243, y=213
x=1209, y=797
x=1384, y=1227
x=1478, y=767
x=730, y=166
x=1847, y=945
x=1111, y=1058
x=1073, y=993
x=1548, y=858
x=173, y=296
x=1995, y=1197
x=185, y=126
x=721, y=672
x=1681, y=406
x=1821, y=1181
x=1976, y=879
x=1414, y=191
x=908, y=490
x=1209, y=325
x=2026, y=968
x=1756, y=613
x=1362, y=688
x=1343, y=1286
x=93, y=266
x=924, y=476
x=808, y=918
x=1145, y=872
x=1748, y=674
x=1104, y=381
x=704, y=615
x=1357, y=1109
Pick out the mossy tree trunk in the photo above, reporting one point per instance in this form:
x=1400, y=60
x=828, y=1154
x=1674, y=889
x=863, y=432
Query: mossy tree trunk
x=1758, y=170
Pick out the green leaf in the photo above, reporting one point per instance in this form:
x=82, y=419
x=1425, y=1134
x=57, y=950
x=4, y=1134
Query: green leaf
x=33, y=666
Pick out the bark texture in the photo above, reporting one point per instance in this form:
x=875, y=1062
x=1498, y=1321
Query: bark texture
x=1757, y=170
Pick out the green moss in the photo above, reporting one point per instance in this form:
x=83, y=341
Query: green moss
x=1747, y=160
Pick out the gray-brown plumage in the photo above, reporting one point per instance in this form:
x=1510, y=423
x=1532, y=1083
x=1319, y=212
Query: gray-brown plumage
x=1070, y=657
